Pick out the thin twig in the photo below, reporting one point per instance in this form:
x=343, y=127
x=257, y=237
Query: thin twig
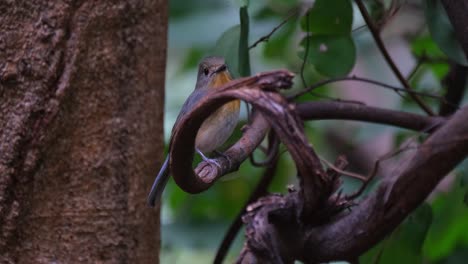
x=365, y=182
x=268, y=36
x=378, y=40
x=387, y=156
x=347, y=173
x=367, y=179
x=424, y=59
x=361, y=79
x=376, y=166
x=418, y=65
x=359, y=28
x=272, y=152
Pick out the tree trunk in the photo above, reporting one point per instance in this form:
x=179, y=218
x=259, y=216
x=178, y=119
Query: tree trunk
x=81, y=109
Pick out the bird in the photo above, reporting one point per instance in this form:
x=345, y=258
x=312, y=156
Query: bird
x=215, y=130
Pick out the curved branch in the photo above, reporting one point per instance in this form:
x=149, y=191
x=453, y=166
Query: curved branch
x=349, y=234
x=316, y=186
x=395, y=198
x=182, y=141
x=239, y=152
x=359, y=112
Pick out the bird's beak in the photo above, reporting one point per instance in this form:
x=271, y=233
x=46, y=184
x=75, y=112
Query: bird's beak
x=220, y=68
x=221, y=76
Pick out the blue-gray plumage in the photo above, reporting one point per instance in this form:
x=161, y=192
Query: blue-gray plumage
x=215, y=130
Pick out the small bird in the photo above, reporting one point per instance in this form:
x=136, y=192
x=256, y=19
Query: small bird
x=215, y=130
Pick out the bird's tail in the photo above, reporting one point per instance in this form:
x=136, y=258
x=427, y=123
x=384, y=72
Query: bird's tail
x=159, y=184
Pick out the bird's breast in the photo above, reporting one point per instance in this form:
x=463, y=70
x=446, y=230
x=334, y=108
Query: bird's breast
x=217, y=128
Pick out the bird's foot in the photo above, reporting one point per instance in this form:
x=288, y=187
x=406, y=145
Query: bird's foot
x=206, y=159
x=219, y=153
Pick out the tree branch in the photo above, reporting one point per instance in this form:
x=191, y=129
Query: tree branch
x=395, y=198
x=237, y=153
x=275, y=232
x=378, y=40
x=268, y=36
x=455, y=82
x=358, y=112
x=207, y=173
x=183, y=139
x=316, y=186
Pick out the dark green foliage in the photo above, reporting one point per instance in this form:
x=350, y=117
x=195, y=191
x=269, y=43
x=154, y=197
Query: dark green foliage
x=405, y=243
x=332, y=56
x=436, y=232
x=329, y=46
x=449, y=230
x=329, y=17
x=442, y=31
x=227, y=46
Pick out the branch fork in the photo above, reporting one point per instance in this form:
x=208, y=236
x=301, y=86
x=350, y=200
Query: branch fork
x=310, y=224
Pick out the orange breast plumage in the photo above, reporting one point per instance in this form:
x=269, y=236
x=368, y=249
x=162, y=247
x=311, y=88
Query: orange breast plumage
x=218, y=127
x=220, y=79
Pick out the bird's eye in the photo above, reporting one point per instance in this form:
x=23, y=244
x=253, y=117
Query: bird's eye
x=206, y=71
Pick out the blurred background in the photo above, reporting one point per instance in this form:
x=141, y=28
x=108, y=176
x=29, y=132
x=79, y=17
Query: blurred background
x=194, y=225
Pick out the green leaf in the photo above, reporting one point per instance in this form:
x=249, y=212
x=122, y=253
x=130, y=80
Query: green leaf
x=426, y=47
x=233, y=46
x=442, y=31
x=405, y=243
x=329, y=17
x=449, y=230
x=279, y=45
x=227, y=46
x=332, y=56
x=244, y=59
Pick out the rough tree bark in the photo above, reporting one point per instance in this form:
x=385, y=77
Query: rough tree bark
x=81, y=108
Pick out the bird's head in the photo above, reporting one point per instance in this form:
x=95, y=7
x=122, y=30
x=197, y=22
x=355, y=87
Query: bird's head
x=212, y=73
